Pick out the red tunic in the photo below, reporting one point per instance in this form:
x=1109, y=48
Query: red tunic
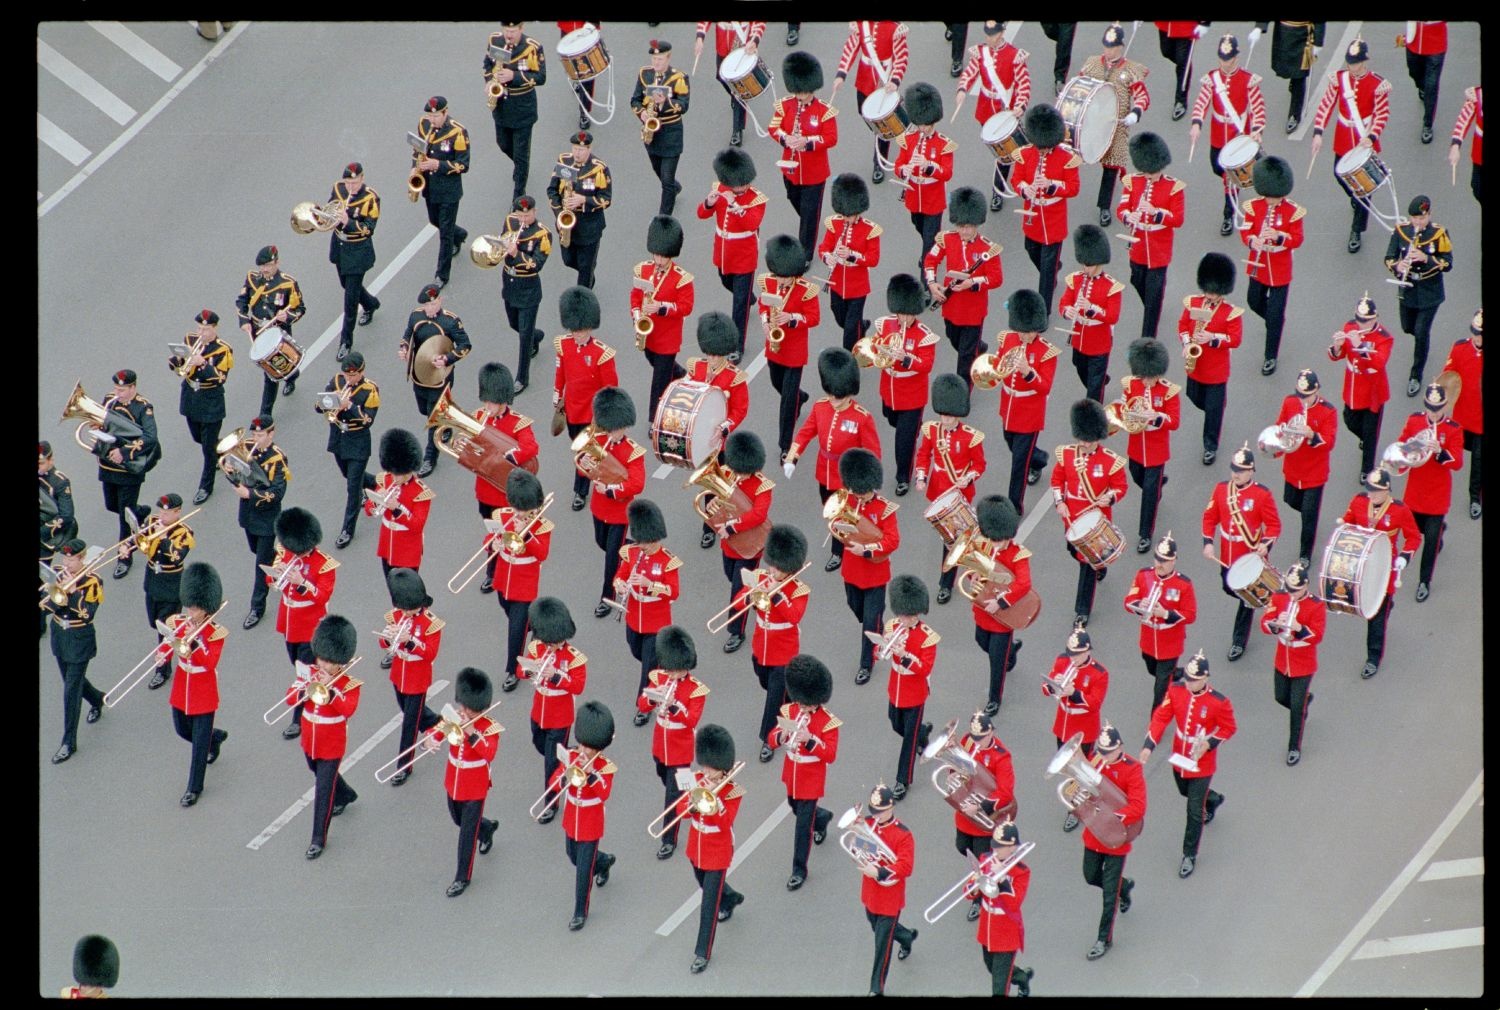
x=1015, y=559
x=1079, y=712
x=867, y=573
x=1297, y=655
x=1240, y=519
x=1238, y=107
x=1427, y=38
x=776, y=638
x=758, y=489
x=911, y=672
x=567, y=671
x=1058, y=168
x=325, y=728
x=1472, y=114
x=1364, y=357
x=1127, y=773
x=411, y=672
x=1095, y=332
x=1308, y=465
x=583, y=806
x=997, y=759
x=1023, y=395
x=944, y=457
x=1224, y=329
x=402, y=526
x=903, y=385
x=805, y=769
x=1177, y=29
x=728, y=378
x=195, y=689
x=518, y=576
x=1429, y=487
x=879, y=50
x=610, y=505
x=928, y=189
x=710, y=841
x=801, y=299
x=980, y=259
x=1153, y=446
x=1209, y=712
x=835, y=431
x=303, y=607
x=1370, y=95
x=583, y=368
x=672, y=290
x=732, y=35
x=1394, y=519
x=1467, y=359
x=1163, y=637
x=737, y=218
x=1153, y=245
x=1272, y=267
x=675, y=722
x=1079, y=481
x=861, y=238
x=518, y=427
x=467, y=776
x=1001, y=927
x=1000, y=78
x=648, y=608
x=886, y=894
x=814, y=120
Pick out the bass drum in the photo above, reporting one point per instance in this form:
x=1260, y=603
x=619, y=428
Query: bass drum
x=687, y=428
x=1356, y=571
x=1088, y=108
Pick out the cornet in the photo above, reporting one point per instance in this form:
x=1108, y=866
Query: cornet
x=451, y=727
x=574, y=776
x=891, y=644
x=701, y=800
x=187, y=352
x=864, y=846
x=794, y=733
x=183, y=646
x=289, y=574
x=1062, y=687
x=318, y=690
x=397, y=635
x=986, y=881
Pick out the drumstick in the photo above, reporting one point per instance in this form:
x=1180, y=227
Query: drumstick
x=1454, y=167
x=1310, y=165
x=696, y=56
x=1191, y=148
x=957, y=105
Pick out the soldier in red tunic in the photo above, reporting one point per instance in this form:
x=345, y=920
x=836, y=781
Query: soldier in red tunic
x=558, y=671
x=1091, y=299
x=744, y=455
x=868, y=567
x=1152, y=204
x=1426, y=44
x=1467, y=360
x=877, y=53
x=467, y=780
x=675, y=699
x=950, y=455
x=911, y=645
x=737, y=209
x=646, y=583
x=1429, y=488
x=662, y=294
x=710, y=844
x=1104, y=867
x=1214, y=327
x=585, y=365
x=614, y=416
x=776, y=638
x=412, y=636
x=586, y=780
x=1002, y=931
x=1160, y=408
x=810, y=734
x=849, y=248
x=327, y=736
x=195, y=689
x=1375, y=509
x=998, y=523
x=523, y=542
x=789, y=309
x=717, y=339
x=402, y=501
x=924, y=163
x=96, y=967
x=497, y=390
x=1240, y=518
x=805, y=127
x=1230, y=98
x=1046, y=176
x=911, y=349
x=1305, y=468
x=1296, y=618
x=972, y=269
x=883, y=891
x=1273, y=230
x=729, y=36
x=1024, y=388
x=1470, y=114
x=1164, y=601
x=1359, y=100
x=997, y=70
x=1087, y=477
x=1078, y=684
x=970, y=834
x=305, y=594
x=1364, y=346
x=1203, y=719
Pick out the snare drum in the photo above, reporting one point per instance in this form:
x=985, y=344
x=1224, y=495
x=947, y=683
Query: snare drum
x=1362, y=171
x=745, y=73
x=582, y=54
x=1097, y=540
x=1356, y=571
x=1252, y=580
x=275, y=352
x=1003, y=133
x=951, y=515
x=1237, y=158
x=687, y=426
x=1088, y=108
x=884, y=113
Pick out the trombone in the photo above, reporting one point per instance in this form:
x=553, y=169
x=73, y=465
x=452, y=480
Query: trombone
x=451, y=726
x=701, y=800
x=977, y=879
x=318, y=690
x=58, y=589
x=759, y=598
x=574, y=776
x=864, y=846
x=486, y=551
x=183, y=646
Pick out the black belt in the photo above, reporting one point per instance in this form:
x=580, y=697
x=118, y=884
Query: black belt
x=71, y=624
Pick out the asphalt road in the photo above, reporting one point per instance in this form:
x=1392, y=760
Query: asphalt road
x=203, y=170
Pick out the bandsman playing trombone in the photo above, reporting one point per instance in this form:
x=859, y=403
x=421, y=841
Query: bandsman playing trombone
x=677, y=698
x=558, y=671
x=204, y=370
x=517, y=550
x=710, y=807
x=123, y=464
x=411, y=638
x=911, y=645
x=164, y=540
x=72, y=608
x=1002, y=930
x=1204, y=719
x=585, y=780
x=970, y=835
x=1164, y=601
x=810, y=734
x=304, y=577
x=57, y=521
x=744, y=456
x=327, y=738
x=883, y=891
x=467, y=778
x=777, y=637
x=1078, y=683
x=199, y=643
x=355, y=401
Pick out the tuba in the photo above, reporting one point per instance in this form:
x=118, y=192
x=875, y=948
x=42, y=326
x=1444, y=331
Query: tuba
x=840, y=511
x=1088, y=794
x=106, y=427
x=477, y=447
x=987, y=373
x=234, y=453
x=960, y=777
x=593, y=460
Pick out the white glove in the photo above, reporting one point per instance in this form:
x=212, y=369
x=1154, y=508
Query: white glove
x=1254, y=36
x=1198, y=32
x=1400, y=564
x=1316, y=51
x=1131, y=119
x=787, y=468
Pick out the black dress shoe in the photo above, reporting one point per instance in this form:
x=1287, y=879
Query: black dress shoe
x=602, y=868
x=904, y=951
x=832, y=564
x=314, y=851
x=1070, y=822
x=487, y=837
x=1423, y=591
x=602, y=609
x=1475, y=510
x=158, y=679
x=428, y=465
x=1098, y=950
x=1178, y=111
x=1413, y=387
x=456, y=888
x=947, y=34
x=1080, y=621
x=548, y=817
x=1268, y=367
x=820, y=830
x=861, y=677
x=736, y=138
x=583, y=119
x=973, y=915
x=388, y=662
x=1186, y=869
x=902, y=487
x=707, y=539
x=399, y=779
x=576, y=923
x=1292, y=122
x=1101, y=573
x=640, y=718
x=95, y=714
x=792, y=35
x=1226, y=226
x=991, y=707
x=292, y=732
x=63, y=753
x=188, y=799
x=220, y=735
x=579, y=502
x=339, y=808
x=666, y=850
x=123, y=568
x=997, y=202
x=1293, y=756
x=1126, y=886
x=944, y=594
x=726, y=910
x=343, y=539
x=878, y=175
x=899, y=791
x=202, y=495
x=1023, y=979
x=1215, y=801
x=1143, y=545
x=1103, y=217
x=1058, y=83
x=1426, y=134
x=365, y=315
x=251, y=620
x=1355, y=241
x=1209, y=455
x=1032, y=476
x=699, y=966
x=511, y=680
x=795, y=881
x=343, y=351
x=956, y=69
x=1369, y=671
x=289, y=386
x=487, y=586
x=733, y=643
x=1235, y=652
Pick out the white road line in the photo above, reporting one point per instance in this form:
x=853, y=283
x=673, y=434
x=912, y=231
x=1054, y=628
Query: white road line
x=1334, y=65
x=349, y=762
x=662, y=471
x=1421, y=943
x=79, y=80
x=1447, y=869
x=140, y=123
x=1030, y=522
x=1012, y=29
x=741, y=853
x=57, y=138
x=750, y=373
x=140, y=50
x=1405, y=877
x=402, y=258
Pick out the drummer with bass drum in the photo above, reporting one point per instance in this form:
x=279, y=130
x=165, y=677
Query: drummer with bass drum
x=1375, y=508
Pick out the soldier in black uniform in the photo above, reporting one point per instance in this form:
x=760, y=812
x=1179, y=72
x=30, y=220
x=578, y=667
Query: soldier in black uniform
x=201, y=401
x=1419, y=253
x=429, y=321
x=124, y=462
x=260, y=505
x=269, y=295
x=56, y=518
x=528, y=244
x=73, y=645
x=667, y=87
x=349, y=434
x=1294, y=47
x=444, y=162
x=165, y=558
x=1061, y=33
x=520, y=69
x=352, y=249
x=589, y=194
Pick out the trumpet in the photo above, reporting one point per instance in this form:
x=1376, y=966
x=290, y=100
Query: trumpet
x=451, y=727
x=701, y=800
x=183, y=646
x=864, y=846
x=309, y=217
x=318, y=690
x=1062, y=687
x=1145, y=608
x=1131, y=416
x=757, y=597
x=879, y=350
x=574, y=776
x=397, y=636
x=987, y=372
x=794, y=734
x=978, y=879
x=388, y=501
x=891, y=644
x=289, y=574
x=566, y=219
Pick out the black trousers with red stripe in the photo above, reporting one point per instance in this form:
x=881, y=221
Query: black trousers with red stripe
x=996, y=644
x=1149, y=479
x=1308, y=501
x=773, y=682
x=469, y=816
x=415, y=717
x=887, y=928
x=1198, y=794
x=905, y=721
x=668, y=776
x=810, y=818
x=329, y=790
x=1161, y=670
x=1000, y=964
x=716, y=891
x=584, y=856
x=1291, y=694
x=1105, y=871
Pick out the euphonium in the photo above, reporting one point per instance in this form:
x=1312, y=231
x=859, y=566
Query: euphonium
x=718, y=484
x=104, y=425
x=591, y=458
x=981, y=578
x=839, y=509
